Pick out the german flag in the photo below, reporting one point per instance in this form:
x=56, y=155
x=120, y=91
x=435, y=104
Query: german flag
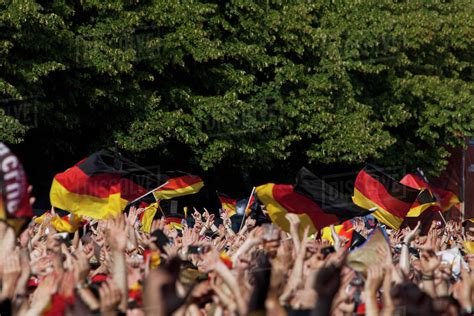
x=345, y=230
x=179, y=186
x=174, y=221
x=228, y=204
x=146, y=218
x=445, y=199
x=62, y=221
x=94, y=187
x=393, y=200
x=281, y=199
x=250, y=204
x=424, y=201
x=328, y=198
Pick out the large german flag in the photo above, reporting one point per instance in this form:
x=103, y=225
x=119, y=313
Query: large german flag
x=179, y=186
x=327, y=197
x=375, y=189
x=228, y=204
x=281, y=199
x=94, y=187
x=445, y=199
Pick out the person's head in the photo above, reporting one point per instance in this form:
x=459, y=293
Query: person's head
x=447, y=305
x=469, y=230
x=411, y=300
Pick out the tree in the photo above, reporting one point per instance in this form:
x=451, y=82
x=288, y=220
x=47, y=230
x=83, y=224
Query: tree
x=243, y=83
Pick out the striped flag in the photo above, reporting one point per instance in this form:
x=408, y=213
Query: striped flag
x=281, y=199
x=392, y=200
x=328, y=198
x=228, y=204
x=179, y=186
x=146, y=218
x=445, y=199
x=94, y=187
x=61, y=221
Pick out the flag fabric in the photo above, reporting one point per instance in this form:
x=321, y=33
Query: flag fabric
x=61, y=221
x=226, y=259
x=329, y=199
x=392, y=200
x=179, y=186
x=424, y=201
x=469, y=247
x=69, y=223
x=344, y=230
x=228, y=205
x=15, y=206
x=146, y=218
x=174, y=221
x=366, y=255
x=250, y=203
x=281, y=199
x=445, y=199
x=94, y=187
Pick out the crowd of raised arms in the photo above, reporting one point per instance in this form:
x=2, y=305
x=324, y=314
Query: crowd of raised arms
x=111, y=267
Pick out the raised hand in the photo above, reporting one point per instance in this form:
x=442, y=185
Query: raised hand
x=117, y=234
x=66, y=287
x=99, y=237
x=411, y=234
x=158, y=224
x=110, y=297
x=42, y=295
x=190, y=237
x=197, y=216
x=375, y=276
x=209, y=221
x=463, y=290
x=11, y=273
x=131, y=218
x=429, y=261
x=81, y=267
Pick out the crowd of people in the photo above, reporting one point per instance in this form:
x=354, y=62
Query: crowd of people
x=112, y=267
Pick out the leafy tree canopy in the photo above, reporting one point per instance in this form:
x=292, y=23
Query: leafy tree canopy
x=240, y=83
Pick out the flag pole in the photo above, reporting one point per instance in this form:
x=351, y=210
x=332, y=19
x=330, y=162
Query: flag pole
x=246, y=207
x=159, y=206
x=442, y=217
x=140, y=197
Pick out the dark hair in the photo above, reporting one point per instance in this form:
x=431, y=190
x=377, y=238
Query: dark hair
x=414, y=301
x=441, y=304
x=161, y=239
x=261, y=274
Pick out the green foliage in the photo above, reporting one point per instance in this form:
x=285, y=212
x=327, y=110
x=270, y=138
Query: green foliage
x=242, y=83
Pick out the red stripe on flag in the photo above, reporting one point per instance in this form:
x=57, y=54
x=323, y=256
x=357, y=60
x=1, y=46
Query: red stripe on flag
x=376, y=192
x=299, y=204
x=181, y=182
x=101, y=186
